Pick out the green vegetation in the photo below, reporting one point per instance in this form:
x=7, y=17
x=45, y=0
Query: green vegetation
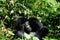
x=47, y=11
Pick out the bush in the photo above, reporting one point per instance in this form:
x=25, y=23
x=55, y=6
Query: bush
x=48, y=11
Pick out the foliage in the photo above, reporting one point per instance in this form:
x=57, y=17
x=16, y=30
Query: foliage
x=48, y=11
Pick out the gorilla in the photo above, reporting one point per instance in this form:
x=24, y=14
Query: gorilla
x=22, y=25
x=30, y=26
x=38, y=29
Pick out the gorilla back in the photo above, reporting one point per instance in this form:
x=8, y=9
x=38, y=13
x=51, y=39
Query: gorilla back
x=35, y=24
x=38, y=29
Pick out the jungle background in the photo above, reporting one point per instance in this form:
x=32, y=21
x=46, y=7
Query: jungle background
x=47, y=11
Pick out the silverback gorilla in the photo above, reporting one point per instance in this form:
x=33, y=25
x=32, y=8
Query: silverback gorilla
x=30, y=26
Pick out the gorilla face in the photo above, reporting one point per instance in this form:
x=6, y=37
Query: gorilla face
x=27, y=27
x=19, y=23
x=23, y=24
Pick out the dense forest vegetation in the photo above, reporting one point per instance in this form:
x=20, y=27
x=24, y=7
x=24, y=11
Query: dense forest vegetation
x=47, y=11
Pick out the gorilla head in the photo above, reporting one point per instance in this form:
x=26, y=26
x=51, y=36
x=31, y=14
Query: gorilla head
x=27, y=27
x=23, y=24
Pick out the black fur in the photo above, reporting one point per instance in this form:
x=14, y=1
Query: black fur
x=30, y=26
x=38, y=29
